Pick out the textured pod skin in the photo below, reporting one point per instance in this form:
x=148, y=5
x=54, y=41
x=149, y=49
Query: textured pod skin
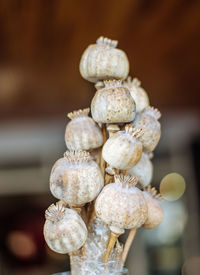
x=138, y=93
x=122, y=150
x=155, y=212
x=148, y=122
x=65, y=234
x=121, y=206
x=143, y=170
x=82, y=133
x=77, y=182
x=113, y=104
x=103, y=61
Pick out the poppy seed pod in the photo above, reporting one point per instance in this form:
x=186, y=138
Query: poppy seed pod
x=138, y=93
x=147, y=120
x=143, y=170
x=155, y=212
x=103, y=61
x=121, y=205
x=64, y=229
x=82, y=133
x=123, y=149
x=113, y=104
x=76, y=178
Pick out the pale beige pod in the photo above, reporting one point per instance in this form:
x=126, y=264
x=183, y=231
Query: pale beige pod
x=76, y=178
x=123, y=149
x=143, y=170
x=64, y=229
x=113, y=104
x=121, y=205
x=82, y=133
x=155, y=212
x=138, y=93
x=147, y=120
x=103, y=61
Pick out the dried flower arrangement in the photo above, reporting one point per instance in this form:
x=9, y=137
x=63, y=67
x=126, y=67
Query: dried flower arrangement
x=108, y=154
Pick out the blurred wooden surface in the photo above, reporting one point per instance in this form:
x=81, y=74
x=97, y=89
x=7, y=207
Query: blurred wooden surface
x=41, y=43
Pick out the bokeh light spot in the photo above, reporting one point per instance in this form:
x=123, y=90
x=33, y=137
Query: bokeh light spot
x=172, y=186
x=21, y=244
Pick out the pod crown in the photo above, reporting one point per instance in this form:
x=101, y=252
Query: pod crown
x=153, y=192
x=153, y=112
x=55, y=212
x=78, y=113
x=114, y=83
x=126, y=179
x=132, y=82
x=134, y=132
x=77, y=156
x=106, y=41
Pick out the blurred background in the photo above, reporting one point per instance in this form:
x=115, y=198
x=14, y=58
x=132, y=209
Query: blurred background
x=41, y=43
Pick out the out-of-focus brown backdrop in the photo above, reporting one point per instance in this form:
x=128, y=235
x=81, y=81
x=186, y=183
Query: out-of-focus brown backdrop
x=41, y=43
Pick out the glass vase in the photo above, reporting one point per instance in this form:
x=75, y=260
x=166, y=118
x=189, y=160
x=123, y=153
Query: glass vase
x=121, y=272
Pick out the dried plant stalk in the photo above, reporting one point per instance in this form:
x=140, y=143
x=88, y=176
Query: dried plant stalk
x=71, y=263
x=127, y=245
x=111, y=243
x=91, y=217
x=102, y=161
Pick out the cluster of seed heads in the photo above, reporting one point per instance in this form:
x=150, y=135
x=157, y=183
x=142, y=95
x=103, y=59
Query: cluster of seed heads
x=55, y=212
x=153, y=192
x=126, y=179
x=107, y=41
x=78, y=113
x=134, y=132
x=77, y=156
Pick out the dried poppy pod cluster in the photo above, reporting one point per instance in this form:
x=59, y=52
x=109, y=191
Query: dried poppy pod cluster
x=107, y=165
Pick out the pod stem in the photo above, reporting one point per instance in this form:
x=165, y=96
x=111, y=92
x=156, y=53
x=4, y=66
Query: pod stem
x=83, y=252
x=111, y=243
x=125, y=172
x=102, y=161
x=71, y=263
x=91, y=217
x=127, y=245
